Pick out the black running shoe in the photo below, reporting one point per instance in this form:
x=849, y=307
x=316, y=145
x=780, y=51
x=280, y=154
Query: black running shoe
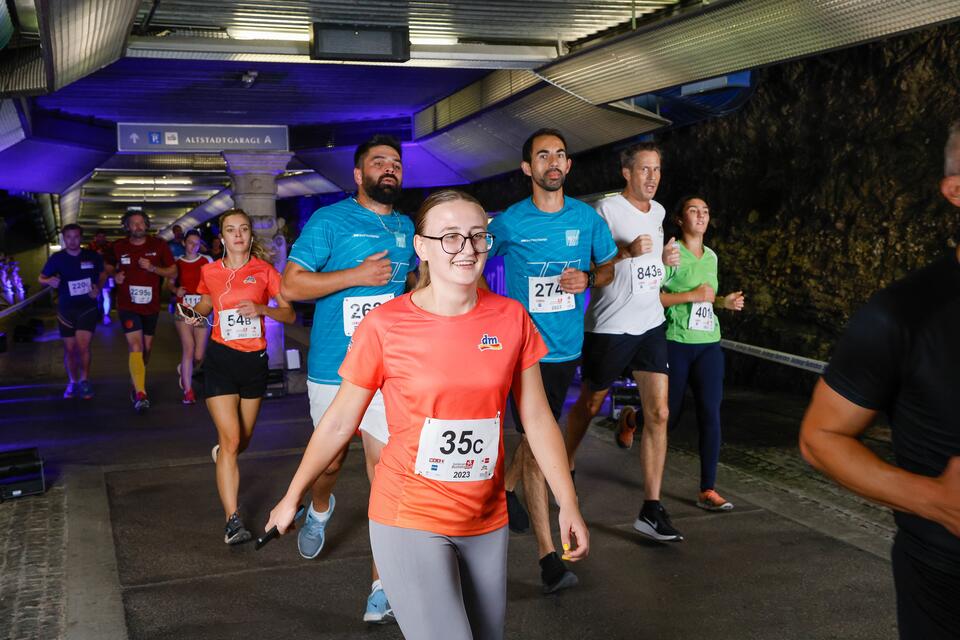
x=235, y=532
x=519, y=520
x=655, y=523
x=555, y=575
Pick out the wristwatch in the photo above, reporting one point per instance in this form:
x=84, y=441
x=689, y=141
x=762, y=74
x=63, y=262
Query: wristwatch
x=591, y=279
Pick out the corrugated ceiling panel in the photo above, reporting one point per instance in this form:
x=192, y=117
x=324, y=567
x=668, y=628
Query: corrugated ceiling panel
x=490, y=143
x=22, y=73
x=483, y=93
x=84, y=36
x=542, y=20
x=735, y=36
x=11, y=131
x=166, y=162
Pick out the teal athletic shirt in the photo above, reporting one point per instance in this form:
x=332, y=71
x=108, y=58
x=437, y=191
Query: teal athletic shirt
x=537, y=247
x=690, y=274
x=339, y=237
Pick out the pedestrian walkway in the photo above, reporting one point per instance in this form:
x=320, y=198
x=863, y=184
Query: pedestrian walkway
x=127, y=543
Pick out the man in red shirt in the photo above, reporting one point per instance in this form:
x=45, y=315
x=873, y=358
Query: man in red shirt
x=140, y=262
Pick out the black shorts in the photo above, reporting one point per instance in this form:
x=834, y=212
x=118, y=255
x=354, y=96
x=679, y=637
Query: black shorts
x=132, y=321
x=228, y=372
x=926, y=596
x=607, y=357
x=76, y=319
x=557, y=377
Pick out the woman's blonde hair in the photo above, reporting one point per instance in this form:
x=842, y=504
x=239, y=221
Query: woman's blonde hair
x=420, y=222
x=257, y=249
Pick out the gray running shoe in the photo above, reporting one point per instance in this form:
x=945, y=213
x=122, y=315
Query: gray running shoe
x=235, y=532
x=311, y=537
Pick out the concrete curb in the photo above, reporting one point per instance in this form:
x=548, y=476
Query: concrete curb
x=93, y=598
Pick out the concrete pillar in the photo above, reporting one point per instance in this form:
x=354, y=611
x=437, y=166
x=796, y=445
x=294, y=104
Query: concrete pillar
x=254, y=183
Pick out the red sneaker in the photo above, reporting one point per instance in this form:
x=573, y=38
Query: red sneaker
x=626, y=426
x=189, y=397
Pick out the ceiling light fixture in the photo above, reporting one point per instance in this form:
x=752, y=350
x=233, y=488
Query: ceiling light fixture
x=163, y=181
x=260, y=34
x=435, y=40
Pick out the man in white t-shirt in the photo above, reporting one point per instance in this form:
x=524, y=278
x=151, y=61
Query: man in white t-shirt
x=625, y=330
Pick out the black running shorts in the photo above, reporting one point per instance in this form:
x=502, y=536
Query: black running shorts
x=557, y=377
x=228, y=372
x=607, y=357
x=71, y=320
x=926, y=595
x=131, y=322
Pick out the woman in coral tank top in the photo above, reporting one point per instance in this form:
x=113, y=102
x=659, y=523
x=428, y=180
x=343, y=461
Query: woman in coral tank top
x=445, y=357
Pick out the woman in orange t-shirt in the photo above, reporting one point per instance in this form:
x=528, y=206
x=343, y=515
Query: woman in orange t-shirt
x=445, y=356
x=193, y=339
x=238, y=289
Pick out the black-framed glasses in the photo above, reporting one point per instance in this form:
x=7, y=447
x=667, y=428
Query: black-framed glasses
x=453, y=243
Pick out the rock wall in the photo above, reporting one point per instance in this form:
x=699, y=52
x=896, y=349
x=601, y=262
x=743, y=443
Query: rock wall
x=823, y=188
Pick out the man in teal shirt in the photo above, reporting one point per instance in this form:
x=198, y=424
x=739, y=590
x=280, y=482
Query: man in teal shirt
x=548, y=242
x=351, y=257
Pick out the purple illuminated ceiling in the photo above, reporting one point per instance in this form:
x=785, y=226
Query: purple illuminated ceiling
x=152, y=90
x=420, y=168
x=46, y=166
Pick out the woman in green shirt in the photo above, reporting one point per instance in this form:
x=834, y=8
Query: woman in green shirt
x=689, y=298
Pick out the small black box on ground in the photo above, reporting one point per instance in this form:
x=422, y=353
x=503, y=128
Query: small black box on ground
x=276, y=384
x=21, y=473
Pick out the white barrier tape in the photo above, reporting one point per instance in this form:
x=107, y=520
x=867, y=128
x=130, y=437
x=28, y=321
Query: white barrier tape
x=809, y=364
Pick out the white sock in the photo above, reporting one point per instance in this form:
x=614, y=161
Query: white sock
x=375, y=585
x=324, y=516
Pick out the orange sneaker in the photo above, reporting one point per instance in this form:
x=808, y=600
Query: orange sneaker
x=626, y=426
x=713, y=501
x=189, y=397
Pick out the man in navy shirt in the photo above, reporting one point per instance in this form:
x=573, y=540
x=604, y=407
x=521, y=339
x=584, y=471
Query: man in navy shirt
x=77, y=274
x=898, y=356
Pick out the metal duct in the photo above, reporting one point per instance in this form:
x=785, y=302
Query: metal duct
x=299, y=185
x=732, y=36
x=490, y=143
x=77, y=37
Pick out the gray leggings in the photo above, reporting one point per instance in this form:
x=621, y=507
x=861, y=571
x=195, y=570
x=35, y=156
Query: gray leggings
x=439, y=586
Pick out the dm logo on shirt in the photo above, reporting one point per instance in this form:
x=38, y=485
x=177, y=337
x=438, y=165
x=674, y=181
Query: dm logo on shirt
x=249, y=280
x=573, y=237
x=489, y=343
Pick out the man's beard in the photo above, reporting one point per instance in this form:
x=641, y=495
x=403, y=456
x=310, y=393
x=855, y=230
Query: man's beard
x=549, y=185
x=382, y=193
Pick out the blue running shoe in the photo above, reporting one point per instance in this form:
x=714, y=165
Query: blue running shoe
x=70, y=391
x=378, y=609
x=310, y=539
